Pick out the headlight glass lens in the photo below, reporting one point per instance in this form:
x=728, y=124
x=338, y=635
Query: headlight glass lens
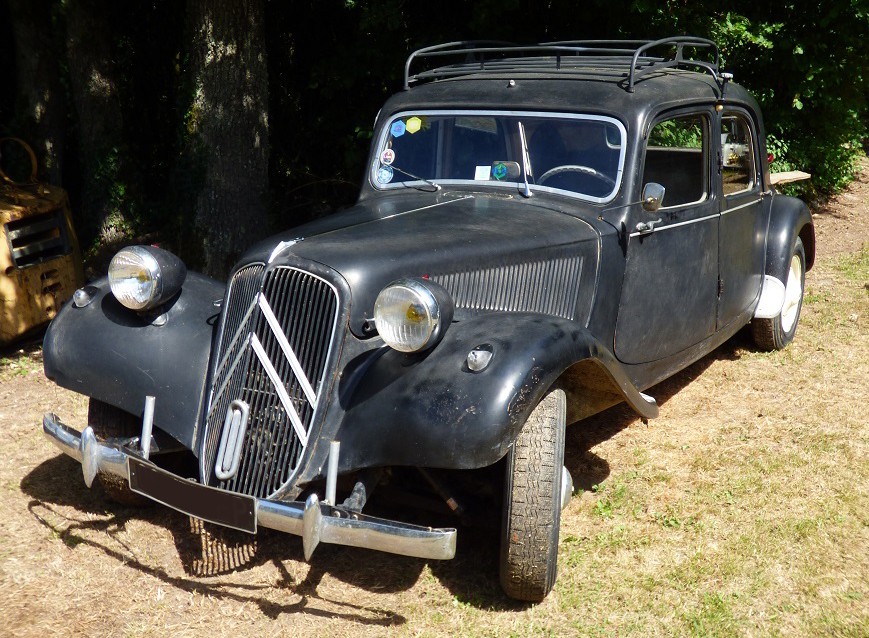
x=135, y=278
x=406, y=314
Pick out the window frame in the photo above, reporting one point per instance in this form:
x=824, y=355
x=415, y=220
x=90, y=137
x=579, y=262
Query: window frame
x=756, y=177
x=385, y=130
x=704, y=114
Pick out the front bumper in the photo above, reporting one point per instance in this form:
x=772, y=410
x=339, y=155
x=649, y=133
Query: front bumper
x=314, y=521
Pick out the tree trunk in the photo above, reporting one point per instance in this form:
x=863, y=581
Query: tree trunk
x=227, y=127
x=40, y=105
x=94, y=89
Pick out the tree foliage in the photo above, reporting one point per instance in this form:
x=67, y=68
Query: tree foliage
x=329, y=65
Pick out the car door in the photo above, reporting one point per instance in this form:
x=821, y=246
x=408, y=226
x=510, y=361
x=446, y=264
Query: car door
x=669, y=294
x=744, y=216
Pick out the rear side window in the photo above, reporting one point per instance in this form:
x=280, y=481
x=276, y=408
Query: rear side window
x=677, y=158
x=738, y=171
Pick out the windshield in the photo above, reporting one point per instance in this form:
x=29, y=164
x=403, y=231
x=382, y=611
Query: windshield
x=578, y=155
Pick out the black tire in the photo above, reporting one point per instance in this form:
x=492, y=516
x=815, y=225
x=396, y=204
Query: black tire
x=109, y=422
x=532, y=502
x=777, y=332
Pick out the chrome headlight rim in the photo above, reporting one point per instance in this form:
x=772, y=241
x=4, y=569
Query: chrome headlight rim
x=434, y=301
x=160, y=272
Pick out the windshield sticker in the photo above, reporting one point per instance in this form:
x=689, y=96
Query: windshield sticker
x=413, y=125
x=499, y=171
x=481, y=173
x=387, y=157
x=397, y=128
x=385, y=174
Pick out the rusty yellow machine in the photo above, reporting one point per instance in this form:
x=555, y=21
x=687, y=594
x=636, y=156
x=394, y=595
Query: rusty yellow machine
x=40, y=259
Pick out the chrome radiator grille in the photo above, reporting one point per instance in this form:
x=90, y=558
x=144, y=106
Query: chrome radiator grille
x=277, y=333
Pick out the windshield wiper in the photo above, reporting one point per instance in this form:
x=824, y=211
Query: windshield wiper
x=526, y=160
x=436, y=187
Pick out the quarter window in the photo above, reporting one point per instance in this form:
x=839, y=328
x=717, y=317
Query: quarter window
x=676, y=158
x=738, y=172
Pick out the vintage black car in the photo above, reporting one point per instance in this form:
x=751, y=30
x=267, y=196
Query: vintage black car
x=542, y=232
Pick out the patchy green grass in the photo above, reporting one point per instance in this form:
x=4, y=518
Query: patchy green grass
x=743, y=510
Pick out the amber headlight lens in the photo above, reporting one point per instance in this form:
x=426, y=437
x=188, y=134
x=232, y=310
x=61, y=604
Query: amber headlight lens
x=142, y=277
x=412, y=315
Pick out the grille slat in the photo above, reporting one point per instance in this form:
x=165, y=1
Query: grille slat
x=305, y=308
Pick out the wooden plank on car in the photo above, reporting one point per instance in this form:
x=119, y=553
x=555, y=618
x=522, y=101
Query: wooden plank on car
x=787, y=177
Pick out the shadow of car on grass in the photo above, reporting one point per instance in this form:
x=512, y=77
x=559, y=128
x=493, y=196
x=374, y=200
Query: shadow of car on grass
x=207, y=550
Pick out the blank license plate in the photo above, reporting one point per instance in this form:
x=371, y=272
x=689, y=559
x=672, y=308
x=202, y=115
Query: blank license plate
x=208, y=503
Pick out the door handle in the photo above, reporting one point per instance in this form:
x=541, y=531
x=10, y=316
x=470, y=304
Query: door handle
x=644, y=228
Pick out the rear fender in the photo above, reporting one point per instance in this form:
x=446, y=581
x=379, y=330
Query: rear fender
x=431, y=410
x=790, y=218
x=108, y=352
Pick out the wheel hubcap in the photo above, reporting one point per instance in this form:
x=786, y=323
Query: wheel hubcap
x=793, y=294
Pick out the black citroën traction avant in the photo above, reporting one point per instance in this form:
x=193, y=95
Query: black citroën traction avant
x=542, y=232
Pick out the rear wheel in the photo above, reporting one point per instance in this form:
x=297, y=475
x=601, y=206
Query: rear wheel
x=532, y=502
x=779, y=331
x=109, y=422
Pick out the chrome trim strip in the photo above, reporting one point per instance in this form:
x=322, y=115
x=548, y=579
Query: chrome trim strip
x=659, y=229
x=287, y=402
x=416, y=210
x=326, y=524
x=288, y=351
x=746, y=205
x=701, y=219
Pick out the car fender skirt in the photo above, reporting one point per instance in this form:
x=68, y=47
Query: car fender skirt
x=431, y=410
x=790, y=219
x=108, y=352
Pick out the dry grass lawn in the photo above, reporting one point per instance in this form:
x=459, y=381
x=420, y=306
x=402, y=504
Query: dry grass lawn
x=742, y=511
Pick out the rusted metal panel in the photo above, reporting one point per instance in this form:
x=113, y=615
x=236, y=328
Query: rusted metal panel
x=40, y=259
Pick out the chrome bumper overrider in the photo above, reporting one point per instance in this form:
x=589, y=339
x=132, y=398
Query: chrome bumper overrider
x=314, y=521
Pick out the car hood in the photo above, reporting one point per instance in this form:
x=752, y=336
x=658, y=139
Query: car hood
x=490, y=252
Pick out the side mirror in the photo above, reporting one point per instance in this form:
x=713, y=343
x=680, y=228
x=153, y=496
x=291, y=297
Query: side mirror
x=653, y=196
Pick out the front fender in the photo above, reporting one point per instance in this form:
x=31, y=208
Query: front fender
x=430, y=410
x=790, y=218
x=113, y=354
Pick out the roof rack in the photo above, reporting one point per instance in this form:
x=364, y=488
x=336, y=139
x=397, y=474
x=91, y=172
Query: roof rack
x=629, y=59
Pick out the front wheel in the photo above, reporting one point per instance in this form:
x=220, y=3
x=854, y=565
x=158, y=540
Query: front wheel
x=532, y=502
x=778, y=332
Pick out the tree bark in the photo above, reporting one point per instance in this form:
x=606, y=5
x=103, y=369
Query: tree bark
x=40, y=105
x=94, y=88
x=227, y=127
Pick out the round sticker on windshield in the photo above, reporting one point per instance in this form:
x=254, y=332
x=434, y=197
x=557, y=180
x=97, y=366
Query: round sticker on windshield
x=397, y=129
x=385, y=174
x=499, y=171
x=387, y=157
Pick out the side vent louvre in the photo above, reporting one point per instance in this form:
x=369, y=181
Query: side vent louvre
x=550, y=287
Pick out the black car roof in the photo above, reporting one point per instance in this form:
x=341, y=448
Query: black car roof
x=620, y=79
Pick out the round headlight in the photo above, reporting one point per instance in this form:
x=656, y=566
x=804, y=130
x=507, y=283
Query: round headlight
x=412, y=315
x=142, y=277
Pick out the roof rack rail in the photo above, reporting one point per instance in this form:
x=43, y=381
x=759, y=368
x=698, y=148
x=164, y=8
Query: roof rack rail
x=629, y=59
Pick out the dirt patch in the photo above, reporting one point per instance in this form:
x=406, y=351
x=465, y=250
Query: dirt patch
x=840, y=224
x=740, y=511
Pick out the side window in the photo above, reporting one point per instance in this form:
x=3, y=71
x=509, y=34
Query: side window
x=676, y=158
x=737, y=154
